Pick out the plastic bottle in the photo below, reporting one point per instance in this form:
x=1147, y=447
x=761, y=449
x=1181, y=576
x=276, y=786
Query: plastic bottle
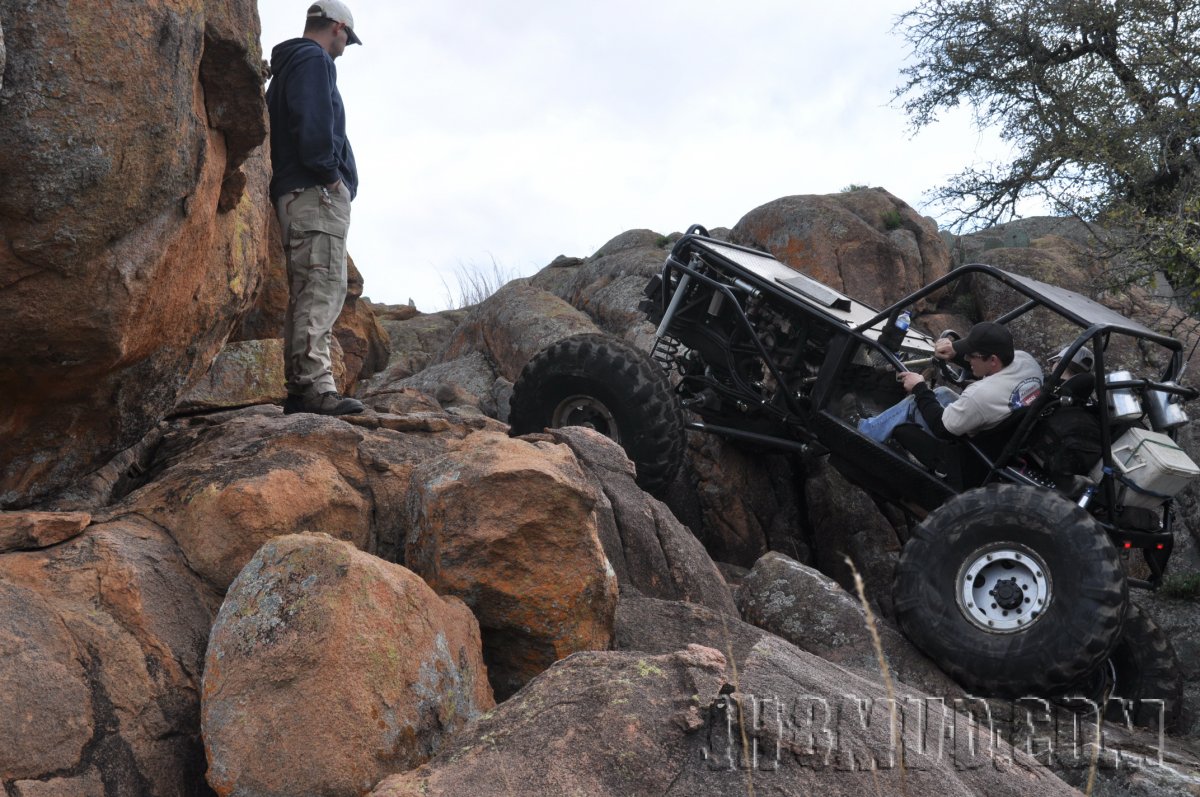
x=892, y=336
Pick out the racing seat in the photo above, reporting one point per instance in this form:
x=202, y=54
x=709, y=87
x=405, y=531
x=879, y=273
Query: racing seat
x=967, y=462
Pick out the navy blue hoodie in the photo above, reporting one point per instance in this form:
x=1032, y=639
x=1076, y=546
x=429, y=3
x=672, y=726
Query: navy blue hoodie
x=308, y=123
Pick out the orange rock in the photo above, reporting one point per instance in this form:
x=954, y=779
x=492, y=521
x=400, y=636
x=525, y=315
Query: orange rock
x=225, y=500
x=25, y=530
x=101, y=644
x=136, y=236
x=329, y=669
x=510, y=527
x=866, y=243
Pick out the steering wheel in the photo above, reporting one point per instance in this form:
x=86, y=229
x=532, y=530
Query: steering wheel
x=952, y=372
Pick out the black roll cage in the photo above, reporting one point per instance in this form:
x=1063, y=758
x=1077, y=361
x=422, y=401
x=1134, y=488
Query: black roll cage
x=696, y=248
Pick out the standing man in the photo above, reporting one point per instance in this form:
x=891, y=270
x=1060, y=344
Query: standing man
x=314, y=179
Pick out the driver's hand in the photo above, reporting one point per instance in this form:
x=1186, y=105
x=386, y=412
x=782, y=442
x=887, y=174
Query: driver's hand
x=943, y=349
x=910, y=379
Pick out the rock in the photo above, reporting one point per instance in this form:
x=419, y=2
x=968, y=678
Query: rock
x=85, y=785
x=249, y=372
x=510, y=527
x=741, y=502
x=328, y=669
x=244, y=373
x=265, y=317
x=810, y=610
x=130, y=250
x=466, y=385
x=226, y=500
x=512, y=325
x=608, y=285
x=416, y=340
x=847, y=523
x=647, y=547
x=101, y=646
x=640, y=711
x=657, y=627
x=867, y=244
x=222, y=487
x=364, y=342
x=621, y=723
x=22, y=531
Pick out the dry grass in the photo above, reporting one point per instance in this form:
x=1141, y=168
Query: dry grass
x=475, y=282
x=885, y=672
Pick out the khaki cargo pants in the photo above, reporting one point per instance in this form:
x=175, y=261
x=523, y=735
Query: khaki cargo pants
x=313, y=222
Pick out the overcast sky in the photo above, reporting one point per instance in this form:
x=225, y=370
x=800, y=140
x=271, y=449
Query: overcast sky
x=512, y=132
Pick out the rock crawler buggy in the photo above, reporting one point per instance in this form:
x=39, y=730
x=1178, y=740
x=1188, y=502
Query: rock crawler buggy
x=1012, y=581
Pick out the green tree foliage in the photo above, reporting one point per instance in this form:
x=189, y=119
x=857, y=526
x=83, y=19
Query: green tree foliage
x=1100, y=100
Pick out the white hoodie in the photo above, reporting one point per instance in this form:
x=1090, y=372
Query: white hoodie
x=989, y=401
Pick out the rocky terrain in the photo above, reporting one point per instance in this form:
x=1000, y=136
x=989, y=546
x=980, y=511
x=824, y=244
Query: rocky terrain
x=200, y=595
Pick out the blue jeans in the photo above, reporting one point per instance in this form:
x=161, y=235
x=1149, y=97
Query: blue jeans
x=880, y=427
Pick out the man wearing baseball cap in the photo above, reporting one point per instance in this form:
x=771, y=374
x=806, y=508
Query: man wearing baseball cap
x=1006, y=380
x=314, y=178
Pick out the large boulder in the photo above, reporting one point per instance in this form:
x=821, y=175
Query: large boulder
x=102, y=643
x=810, y=610
x=328, y=669
x=248, y=372
x=851, y=535
x=739, y=500
x=867, y=243
x=129, y=249
x=655, y=626
x=685, y=723
x=595, y=724
x=365, y=343
x=223, y=486
x=512, y=325
x=608, y=285
x=650, y=551
x=510, y=527
x=416, y=339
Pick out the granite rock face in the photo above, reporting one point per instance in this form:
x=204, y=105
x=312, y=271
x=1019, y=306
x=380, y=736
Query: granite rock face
x=129, y=249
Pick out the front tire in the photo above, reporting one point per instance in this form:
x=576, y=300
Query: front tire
x=1012, y=590
x=601, y=383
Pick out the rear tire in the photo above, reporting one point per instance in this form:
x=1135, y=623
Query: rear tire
x=602, y=383
x=1011, y=590
x=1141, y=670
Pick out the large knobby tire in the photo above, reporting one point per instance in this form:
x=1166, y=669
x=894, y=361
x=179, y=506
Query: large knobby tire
x=1012, y=590
x=599, y=382
x=1141, y=671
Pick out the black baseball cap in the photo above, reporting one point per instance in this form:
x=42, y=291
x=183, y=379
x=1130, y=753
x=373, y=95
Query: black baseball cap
x=987, y=338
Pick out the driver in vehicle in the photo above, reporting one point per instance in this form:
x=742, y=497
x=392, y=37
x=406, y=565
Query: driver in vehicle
x=1007, y=380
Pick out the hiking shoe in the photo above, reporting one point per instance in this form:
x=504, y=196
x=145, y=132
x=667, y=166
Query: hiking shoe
x=850, y=410
x=293, y=403
x=331, y=403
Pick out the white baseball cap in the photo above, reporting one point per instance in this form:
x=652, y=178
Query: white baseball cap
x=337, y=11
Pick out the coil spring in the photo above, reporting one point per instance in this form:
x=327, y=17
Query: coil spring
x=666, y=348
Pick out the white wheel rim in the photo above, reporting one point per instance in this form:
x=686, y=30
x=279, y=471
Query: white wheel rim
x=1004, y=588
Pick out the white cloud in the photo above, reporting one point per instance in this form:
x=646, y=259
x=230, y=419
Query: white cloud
x=518, y=131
